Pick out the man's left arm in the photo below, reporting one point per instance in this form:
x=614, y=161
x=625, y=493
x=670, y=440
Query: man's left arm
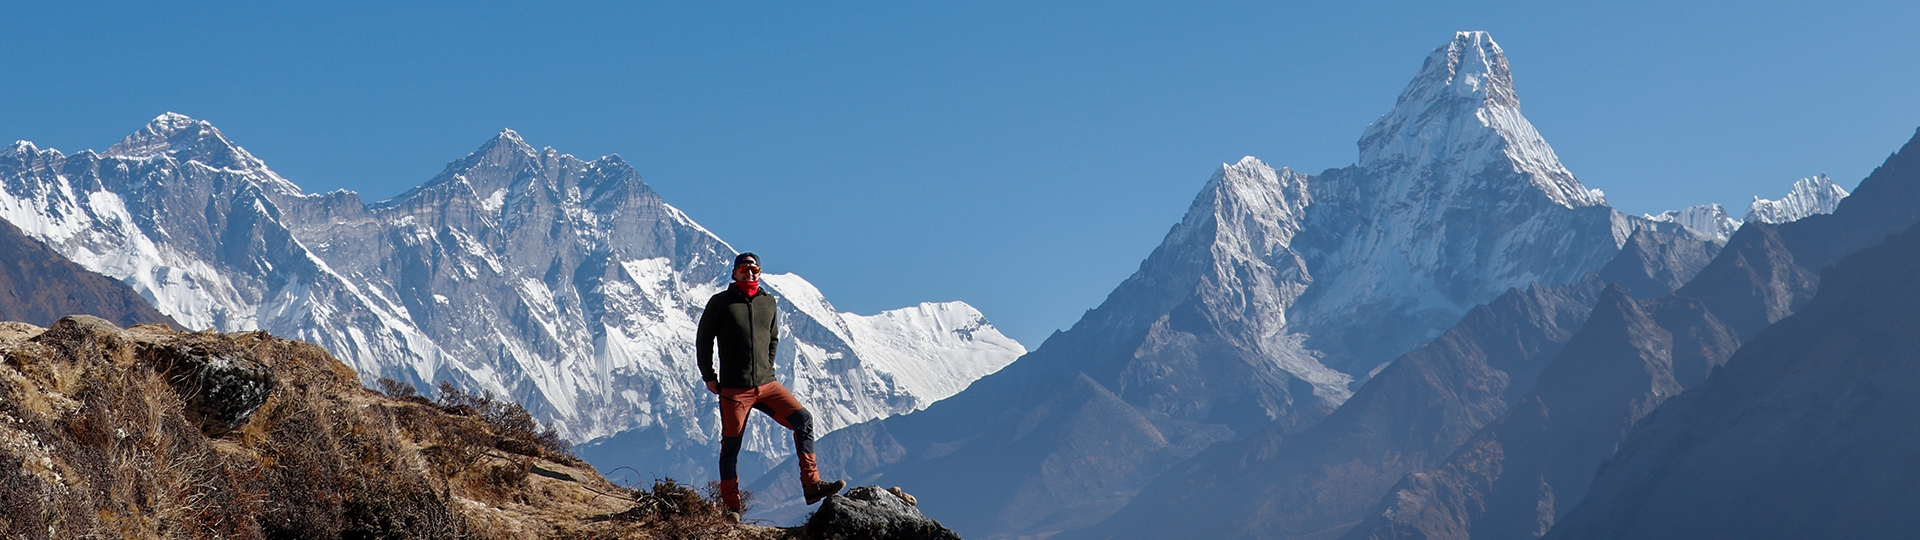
x=773, y=335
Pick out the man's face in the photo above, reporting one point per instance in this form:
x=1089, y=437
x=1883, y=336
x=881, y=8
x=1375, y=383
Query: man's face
x=746, y=272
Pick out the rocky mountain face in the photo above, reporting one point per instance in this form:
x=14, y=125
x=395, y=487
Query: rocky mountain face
x=1521, y=475
x=1259, y=309
x=1455, y=199
x=1281, y=483
x=1188, y=350
x=1795, y=436
x=1807, y=432
x=1653, y=263
x=1414, y=413
x=38, y=286
x=566, y=285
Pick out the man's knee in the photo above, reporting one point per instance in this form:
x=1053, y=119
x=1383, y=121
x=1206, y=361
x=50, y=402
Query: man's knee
x=802, y=422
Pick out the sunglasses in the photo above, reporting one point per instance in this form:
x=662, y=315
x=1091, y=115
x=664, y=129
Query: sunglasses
x=752, y=267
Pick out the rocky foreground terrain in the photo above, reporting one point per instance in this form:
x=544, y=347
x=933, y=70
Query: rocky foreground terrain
x=149, y=432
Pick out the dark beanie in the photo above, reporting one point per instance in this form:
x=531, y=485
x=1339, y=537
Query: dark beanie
x=746, y=258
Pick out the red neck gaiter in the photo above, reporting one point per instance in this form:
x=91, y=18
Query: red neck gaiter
x=748, y=288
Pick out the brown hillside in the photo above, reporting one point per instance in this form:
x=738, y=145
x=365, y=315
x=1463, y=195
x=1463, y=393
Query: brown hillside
x=153, y=433
x=39, y=286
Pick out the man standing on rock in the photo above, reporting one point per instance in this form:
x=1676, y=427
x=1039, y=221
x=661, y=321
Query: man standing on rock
x=743, y=321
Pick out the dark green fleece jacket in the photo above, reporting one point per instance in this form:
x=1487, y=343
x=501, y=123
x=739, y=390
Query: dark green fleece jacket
x=747, y=331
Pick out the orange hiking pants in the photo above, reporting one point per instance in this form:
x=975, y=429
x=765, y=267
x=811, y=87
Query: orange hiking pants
x=774, y=400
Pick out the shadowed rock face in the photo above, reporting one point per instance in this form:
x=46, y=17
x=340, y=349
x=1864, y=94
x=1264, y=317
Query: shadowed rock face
x=1652, y=264
x=1809, y=431
x=1520, y=473
x=39, y=286
x=1525, y=472
x=1277, y=484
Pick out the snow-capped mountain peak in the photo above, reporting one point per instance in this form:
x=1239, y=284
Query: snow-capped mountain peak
x=1708, y=221
x=1460, y=112
x=1809, y=196
x=1815, y=195
x=19, y=147
x=1249, y=204
x=185, y=139
x=567, y=285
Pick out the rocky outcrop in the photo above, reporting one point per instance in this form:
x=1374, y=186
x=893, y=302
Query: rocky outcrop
x=872, y=513
x=222, y=387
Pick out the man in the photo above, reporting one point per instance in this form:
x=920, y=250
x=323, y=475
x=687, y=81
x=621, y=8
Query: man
x=743, y=321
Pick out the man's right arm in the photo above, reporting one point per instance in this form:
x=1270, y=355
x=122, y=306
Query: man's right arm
x=703, y=346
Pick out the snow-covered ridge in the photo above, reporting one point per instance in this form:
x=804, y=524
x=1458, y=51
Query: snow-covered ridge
x=1708, y=221
x=1809, y=196
x=567, y=285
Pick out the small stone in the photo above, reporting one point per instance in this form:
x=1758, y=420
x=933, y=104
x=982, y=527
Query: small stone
x=902, y=494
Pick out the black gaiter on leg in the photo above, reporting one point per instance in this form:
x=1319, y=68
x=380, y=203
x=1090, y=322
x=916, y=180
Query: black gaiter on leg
x=730, y=457
x=802, y=423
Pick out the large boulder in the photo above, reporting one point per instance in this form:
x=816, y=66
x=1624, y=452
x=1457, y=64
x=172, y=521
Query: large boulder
x=222, y=387
x=873, y=513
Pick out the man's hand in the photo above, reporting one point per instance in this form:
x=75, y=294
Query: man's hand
x=713, y=387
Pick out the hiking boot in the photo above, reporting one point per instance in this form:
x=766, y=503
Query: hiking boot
x=822, y=490
x=731, y=516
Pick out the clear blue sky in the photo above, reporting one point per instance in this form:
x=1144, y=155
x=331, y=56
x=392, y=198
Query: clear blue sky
x=1022, y=157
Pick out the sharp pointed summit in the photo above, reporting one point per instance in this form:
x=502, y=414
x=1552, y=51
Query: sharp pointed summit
x=1455, y=199
x=1461, y=112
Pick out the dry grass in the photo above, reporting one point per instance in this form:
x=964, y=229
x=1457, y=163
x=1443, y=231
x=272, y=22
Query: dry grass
x=95, y=442
x=674, y=511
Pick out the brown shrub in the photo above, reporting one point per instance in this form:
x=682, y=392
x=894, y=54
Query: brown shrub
x=512, y=426
x=677, y=511
x=396, y=389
